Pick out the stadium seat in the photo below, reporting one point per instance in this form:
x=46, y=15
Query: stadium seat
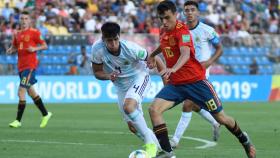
x=11, y=59
x=233, y=51
x=63, y=59
x=2, y=59
x=223, y=60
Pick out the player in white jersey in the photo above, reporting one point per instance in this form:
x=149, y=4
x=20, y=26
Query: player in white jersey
x=123, y=63
x=205, y=40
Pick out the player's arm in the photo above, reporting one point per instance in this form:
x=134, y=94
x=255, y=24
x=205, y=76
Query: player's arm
x=11, y=50
x=42, y=46
x=161, y=67
x=13, y=47
x=41, y=43
x=99, y=73
x=184, y=57
x=155, y=52
x=151, y=58
x=215, y=41
x=218, y=52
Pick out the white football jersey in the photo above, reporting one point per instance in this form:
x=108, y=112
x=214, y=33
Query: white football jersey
x=204, y=37
x=129, y=63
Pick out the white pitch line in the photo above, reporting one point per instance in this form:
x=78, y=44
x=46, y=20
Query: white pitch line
x=47, y=142
x=207, y=144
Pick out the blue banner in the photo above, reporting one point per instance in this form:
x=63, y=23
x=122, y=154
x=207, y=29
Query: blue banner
x=86, y=89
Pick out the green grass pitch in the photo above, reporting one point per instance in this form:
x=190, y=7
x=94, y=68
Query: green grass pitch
x=97, y=131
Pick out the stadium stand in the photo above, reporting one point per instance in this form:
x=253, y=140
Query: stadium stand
x=249, y=30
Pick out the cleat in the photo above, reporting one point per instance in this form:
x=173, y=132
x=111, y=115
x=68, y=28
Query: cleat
x=249, y=147
x=173, y=143
x=151, y=149
x=164, y=154
x=216, y=132
x=45, y=120
x=15, y=124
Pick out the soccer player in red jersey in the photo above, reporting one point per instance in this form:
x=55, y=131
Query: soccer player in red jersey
x=27, y=41
x=186, y=81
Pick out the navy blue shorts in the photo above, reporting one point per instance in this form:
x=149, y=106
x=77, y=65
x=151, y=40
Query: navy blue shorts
x=27, y=78
x=201, y=93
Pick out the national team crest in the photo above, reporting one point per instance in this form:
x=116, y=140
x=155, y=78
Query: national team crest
x=26, y=38
x=172, y=41
x=126, y=62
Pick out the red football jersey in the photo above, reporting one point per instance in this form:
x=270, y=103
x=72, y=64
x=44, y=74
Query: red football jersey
x=170, y=43
x=23, y=40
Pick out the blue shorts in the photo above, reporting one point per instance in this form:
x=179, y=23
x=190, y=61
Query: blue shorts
x=27, y=78
x=201, y=93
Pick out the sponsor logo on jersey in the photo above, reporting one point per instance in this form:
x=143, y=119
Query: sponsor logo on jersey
x=141, y=54
x=186, y=38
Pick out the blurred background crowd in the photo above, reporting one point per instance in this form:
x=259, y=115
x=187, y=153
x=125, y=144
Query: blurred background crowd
x=241, y=23
x=61, y=17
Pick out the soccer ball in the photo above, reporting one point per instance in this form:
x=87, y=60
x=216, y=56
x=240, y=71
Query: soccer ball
x=139, y=154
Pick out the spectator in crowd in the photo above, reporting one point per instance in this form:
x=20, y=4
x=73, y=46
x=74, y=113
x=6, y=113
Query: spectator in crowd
x=254, y=67
x=72, y=61
x=10, y=70
x=84, y=62
x=2, y=71
x=236, y=19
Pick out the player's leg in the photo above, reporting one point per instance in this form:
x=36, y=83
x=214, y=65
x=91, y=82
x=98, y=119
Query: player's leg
x=164, y=100
x=234, y=128
x=22, y=100
x=40, y=105
x=21, y=107
x=183, y=123
x=134, y=131
x=30, y=81
x=208, y=117
x=203, y=94
x=133, y=109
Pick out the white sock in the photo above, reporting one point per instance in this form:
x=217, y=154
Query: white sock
x=140, y=124
x=208, y=117
x=182, y=126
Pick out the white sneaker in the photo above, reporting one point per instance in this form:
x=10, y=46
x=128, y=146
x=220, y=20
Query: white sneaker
x=173, y=143
x=216, y=132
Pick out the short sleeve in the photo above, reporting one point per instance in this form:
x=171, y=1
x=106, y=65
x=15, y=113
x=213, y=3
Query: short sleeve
x=96, y=57
x=138, y=52
x=184, y=38
x=38, y=38
x=213, y=37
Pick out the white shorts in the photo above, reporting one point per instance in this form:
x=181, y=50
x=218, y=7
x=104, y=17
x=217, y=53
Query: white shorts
x=137, y=91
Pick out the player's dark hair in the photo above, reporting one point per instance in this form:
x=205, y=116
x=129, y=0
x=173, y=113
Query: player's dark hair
x=194, y=3
x=110, y=30
x=165, y=6
x=25, y=13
